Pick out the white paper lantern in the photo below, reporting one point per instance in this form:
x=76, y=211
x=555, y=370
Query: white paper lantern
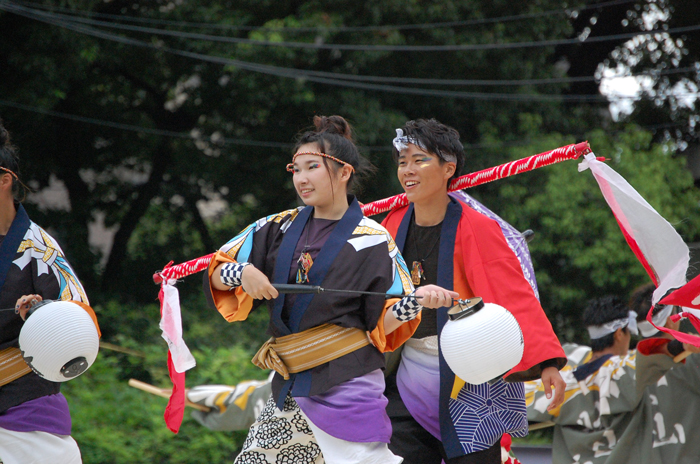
x=481, y=341
x=59, y=340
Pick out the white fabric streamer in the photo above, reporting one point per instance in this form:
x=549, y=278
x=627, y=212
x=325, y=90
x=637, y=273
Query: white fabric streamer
x=171, y=325
x=658, y=246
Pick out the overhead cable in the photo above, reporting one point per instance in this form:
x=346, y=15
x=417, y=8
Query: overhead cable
x=134, y=128
x=301, y=74
x=313, y=76
x=244, y=142
x=469, y=22
x=361, y=47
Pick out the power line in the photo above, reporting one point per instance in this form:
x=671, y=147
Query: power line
x=469, y=22
x=134, y=128
x=295, y=73
x=312, y=76
x=466, y=82
x=470, y=82
x=358, y=47
x=255, y=143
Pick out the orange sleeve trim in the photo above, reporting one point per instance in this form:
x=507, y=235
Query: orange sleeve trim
x=92, y=314
x=234, y=305
x=386, y=343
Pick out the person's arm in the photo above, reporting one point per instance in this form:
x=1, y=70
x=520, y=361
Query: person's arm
x=655, y=357
x=486, y=273
x=552, y=380
x=406, y=309
x=236, y=267
x=59, y=282
x=227, y=276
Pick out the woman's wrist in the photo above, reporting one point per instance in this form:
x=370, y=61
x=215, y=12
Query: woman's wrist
x=232, y=274
x=407, y=308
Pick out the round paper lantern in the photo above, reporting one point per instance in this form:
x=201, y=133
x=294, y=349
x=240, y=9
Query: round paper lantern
x=481, y=341
x=59, y=340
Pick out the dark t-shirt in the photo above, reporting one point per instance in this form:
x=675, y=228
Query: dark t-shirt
x=312, y=239
x=423, y=245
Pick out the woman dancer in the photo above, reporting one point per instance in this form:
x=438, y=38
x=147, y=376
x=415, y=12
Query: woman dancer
x=327, y=396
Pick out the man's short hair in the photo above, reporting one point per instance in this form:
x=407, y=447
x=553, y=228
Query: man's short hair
x=600, y=311
x=438, y=139
x=640, y=301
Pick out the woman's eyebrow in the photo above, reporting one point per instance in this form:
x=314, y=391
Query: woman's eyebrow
x=305, y=163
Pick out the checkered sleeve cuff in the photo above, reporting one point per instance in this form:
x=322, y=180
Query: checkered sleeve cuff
x=407, y=308
x=232, y=274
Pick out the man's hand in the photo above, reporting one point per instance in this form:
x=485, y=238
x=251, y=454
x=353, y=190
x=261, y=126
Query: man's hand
x=24, y=304
x=434, y=296
x=691, y=348
x=551, y=378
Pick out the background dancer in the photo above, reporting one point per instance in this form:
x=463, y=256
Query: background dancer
x=435, y=415
x=617, y=409
x=335, y=404
x=35, y=423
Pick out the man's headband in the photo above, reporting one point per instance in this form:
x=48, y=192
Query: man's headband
x=13, y=174
x=600, y=331
x=401, y=143
x=659, y=319
x=290, y=166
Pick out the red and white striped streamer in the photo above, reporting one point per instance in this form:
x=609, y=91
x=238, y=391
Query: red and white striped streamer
x=512, y=168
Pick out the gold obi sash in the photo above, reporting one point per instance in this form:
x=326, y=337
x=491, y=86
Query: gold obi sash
x=12, y=365
x=305, y=350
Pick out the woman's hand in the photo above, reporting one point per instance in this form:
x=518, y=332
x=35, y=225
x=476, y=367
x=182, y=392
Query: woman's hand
x=432, y=296
x=256, y=284
x=24, y=304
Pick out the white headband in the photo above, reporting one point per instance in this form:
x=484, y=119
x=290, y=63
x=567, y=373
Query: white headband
x=659, y=319
x=600, y=331
x=401, y=143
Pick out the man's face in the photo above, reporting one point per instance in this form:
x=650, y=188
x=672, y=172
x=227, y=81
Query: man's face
x=421, y=174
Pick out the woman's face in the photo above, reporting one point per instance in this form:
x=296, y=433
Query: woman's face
x=312, y=180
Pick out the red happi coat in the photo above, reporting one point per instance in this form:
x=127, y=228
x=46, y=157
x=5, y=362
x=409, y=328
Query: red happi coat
x=485, y=266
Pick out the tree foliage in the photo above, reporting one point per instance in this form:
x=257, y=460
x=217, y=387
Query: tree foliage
x=175, y=146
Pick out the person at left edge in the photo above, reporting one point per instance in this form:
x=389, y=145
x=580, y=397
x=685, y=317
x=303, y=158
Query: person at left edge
x=35, y=424
x=327, y=396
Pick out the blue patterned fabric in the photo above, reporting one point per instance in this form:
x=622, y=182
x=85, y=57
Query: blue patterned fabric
x=482, y=413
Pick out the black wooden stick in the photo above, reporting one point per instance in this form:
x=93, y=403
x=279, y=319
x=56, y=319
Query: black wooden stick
x=299, y=288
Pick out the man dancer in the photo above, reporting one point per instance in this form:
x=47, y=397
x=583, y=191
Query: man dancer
x=623, y=406
x=435, y=415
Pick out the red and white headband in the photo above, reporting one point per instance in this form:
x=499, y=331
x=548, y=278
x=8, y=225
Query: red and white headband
x=13, y=174
x=290, y=166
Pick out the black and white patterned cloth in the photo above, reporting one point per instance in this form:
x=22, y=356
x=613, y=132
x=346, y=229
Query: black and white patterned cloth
x=280, y=437
x=232, y=274
x=407, y=308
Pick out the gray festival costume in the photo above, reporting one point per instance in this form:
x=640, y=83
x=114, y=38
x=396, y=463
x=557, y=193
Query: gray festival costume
x=632, y=409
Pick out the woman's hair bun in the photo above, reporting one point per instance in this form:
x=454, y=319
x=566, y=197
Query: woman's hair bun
x=334, y=125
